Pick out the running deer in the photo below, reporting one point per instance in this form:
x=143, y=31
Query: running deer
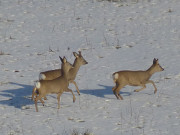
x=135, y=78
x=52, y=74
x=56, y=86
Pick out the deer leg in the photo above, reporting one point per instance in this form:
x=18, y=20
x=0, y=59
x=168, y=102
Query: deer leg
x=150, y=81
x=113, y=88
x=116, y=84
x=143, y=87
x=117, y=90
x=36, y=99
x=58, y=98
x=69, y=90
x=72, y=81
x=42, y=101
x=34, y=93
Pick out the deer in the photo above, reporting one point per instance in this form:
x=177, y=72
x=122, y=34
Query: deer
x=135, y=78
x=56, y=86
x=52, y=74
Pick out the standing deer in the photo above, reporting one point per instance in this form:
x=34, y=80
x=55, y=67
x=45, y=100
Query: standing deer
x=57, y=86
x=52, y=74
x=135, y=78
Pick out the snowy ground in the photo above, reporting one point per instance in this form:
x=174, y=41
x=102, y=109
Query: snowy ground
x=113, y=36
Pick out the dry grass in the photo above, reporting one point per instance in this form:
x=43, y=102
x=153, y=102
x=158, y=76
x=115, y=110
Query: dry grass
x=2, y=53
x=75, y=132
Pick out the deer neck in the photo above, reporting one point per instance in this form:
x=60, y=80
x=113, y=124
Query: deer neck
x=64, y=72
x=76, y=66
x=151, y=70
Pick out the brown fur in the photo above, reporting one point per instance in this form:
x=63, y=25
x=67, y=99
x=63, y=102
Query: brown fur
x=51, y=74
x=56, y=86
x=135, y=78
x=79, y=61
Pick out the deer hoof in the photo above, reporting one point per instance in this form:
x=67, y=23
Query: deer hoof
x=120, y=98
x=74, y=100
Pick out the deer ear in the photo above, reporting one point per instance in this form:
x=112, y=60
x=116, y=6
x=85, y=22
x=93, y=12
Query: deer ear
x=61, y=59
x=64, y=60
x=155, y=61
x=79, y=53
x=75, y=54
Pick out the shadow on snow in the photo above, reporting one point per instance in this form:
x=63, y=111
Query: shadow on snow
x=22, y=96
x=17, y=97
x=106, y=90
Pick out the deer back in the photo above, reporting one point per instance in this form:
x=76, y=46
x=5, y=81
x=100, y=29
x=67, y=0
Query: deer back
x=50, y=75
x=135, y=78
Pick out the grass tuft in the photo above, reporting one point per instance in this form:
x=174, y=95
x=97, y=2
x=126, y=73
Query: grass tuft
x=2, y=53
x=76, y=132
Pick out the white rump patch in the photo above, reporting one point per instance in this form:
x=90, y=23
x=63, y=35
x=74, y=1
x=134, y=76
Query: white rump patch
x=38, y=85
x=42, y=77
x=116, y=76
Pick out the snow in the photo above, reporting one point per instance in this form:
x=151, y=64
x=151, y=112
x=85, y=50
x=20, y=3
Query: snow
x=112, y=36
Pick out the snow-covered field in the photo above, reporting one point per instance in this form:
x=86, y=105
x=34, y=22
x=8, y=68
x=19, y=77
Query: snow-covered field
x=112, y=36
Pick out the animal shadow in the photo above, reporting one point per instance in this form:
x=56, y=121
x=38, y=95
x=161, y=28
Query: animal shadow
x=106, y=90
x=17, y=97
